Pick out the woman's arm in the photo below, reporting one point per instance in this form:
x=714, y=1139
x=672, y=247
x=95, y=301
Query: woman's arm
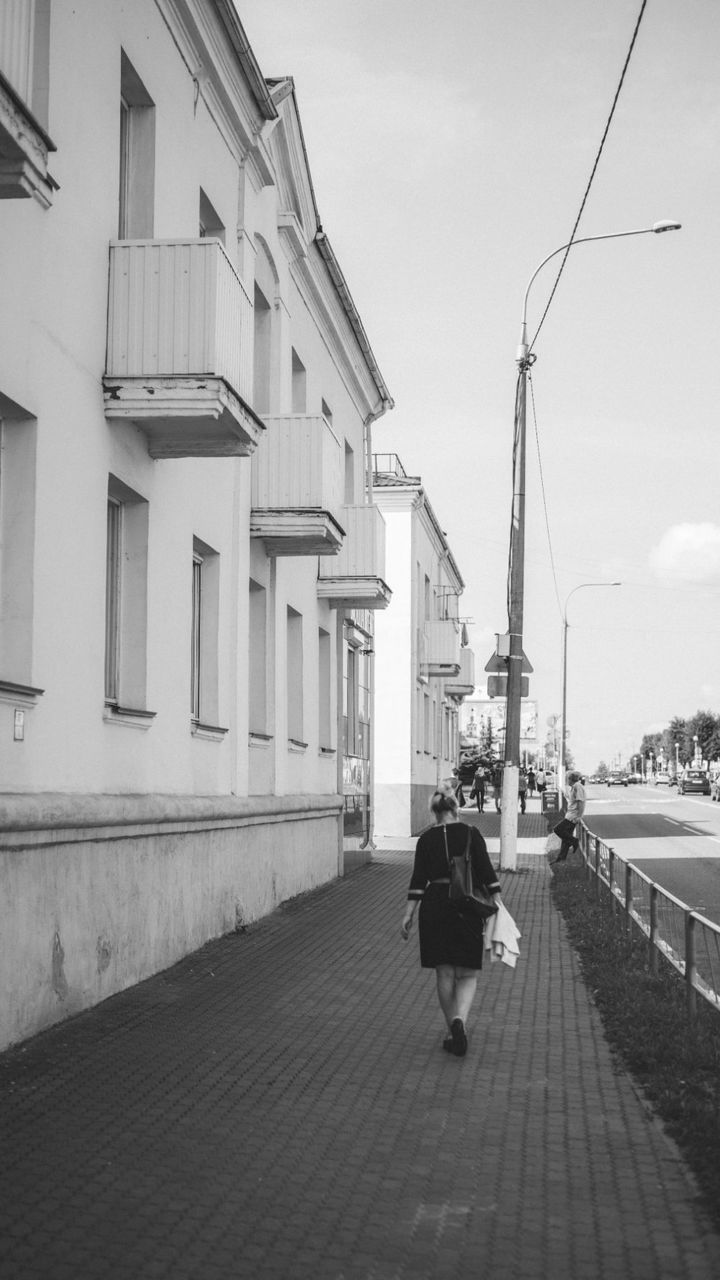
x=418, y=880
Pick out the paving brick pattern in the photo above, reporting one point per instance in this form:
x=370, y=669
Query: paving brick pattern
x=278, y=1107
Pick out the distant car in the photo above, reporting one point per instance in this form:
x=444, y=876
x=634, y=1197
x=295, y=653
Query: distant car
x=662, y=779
x=617, y=779
x=695, y=780
x=635, y=778
x=715, y=787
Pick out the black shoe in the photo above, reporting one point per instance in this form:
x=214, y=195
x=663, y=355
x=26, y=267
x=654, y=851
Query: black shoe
x=459, y=1039
x=448, y=1044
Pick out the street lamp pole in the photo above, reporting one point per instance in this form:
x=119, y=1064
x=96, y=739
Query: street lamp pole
x=563, y=737
x=516, y=574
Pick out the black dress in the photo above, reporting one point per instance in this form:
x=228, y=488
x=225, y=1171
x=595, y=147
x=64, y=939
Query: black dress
x=444, y=937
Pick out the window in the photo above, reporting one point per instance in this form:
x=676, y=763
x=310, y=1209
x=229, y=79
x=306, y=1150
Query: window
x=137, y=156
x=209, y=222
x=204, y=634
x=257, y=665
x=349, y=475
x=327, y=412
x=294, y=676
x=325, y=733
x=299, y=384
x=263, y=336
x=18, y=439
x=126, y=597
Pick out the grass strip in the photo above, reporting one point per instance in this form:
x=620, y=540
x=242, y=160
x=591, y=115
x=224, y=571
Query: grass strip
x=676, y=1064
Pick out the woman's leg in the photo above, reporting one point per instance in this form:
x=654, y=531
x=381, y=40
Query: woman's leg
x=445, y=977
x=456, y=989
x=465, y=988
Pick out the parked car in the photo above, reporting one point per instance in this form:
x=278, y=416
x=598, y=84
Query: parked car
x=715, y=787
x=616, y=778
x=695, y=780
x=662, y=779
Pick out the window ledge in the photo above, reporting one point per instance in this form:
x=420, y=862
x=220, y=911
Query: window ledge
x=294, y=744
x=262, y=740
x=209, y=732
x=328, y=751
x=130, y=717
x=23, y=695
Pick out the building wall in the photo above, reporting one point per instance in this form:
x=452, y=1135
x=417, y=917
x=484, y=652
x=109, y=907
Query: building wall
x=128, y=840
x=412, y=753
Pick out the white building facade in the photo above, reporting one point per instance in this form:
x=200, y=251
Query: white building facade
x=422, y=669
x=189, y=558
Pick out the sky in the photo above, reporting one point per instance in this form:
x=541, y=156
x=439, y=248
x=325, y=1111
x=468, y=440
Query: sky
x=450, y=146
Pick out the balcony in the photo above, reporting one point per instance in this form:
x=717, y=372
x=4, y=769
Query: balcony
x=462, y=685
x=441, y=655
x=354, y=578
x=24, y=144
x=179, y=348
x=296, y=487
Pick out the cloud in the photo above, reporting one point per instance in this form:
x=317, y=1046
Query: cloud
x=688, y=553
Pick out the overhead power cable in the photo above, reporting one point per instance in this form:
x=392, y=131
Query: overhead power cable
x=592, y=175
x=544, y=499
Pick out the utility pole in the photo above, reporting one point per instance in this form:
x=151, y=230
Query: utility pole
x=516, y=597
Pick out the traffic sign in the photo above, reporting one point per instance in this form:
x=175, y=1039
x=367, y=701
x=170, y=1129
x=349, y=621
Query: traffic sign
x=497, y=686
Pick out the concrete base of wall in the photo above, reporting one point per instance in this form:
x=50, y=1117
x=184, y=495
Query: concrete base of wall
x=100, y=892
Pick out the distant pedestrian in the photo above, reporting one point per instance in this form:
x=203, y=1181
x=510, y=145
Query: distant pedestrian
x=540, y=781
x=522, y=790
x=478, y=788
x=457, y=787
x=449, y=945
x=567, y=827
x=531, y=782
x=497, y=782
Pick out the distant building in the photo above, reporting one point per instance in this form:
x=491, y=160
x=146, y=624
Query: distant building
x=482, y=722
x=422, y=669
x=189, y=556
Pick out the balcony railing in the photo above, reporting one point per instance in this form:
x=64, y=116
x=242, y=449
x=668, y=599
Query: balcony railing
x=296, y=487
x=179, y=348
x=442, y=654
x=24, y=144
x=463, y=684
x=355, y=578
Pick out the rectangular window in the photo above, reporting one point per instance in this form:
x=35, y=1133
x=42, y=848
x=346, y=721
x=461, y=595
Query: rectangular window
x=205, y=605
x=137, y=156
x=350, y=700
x=349, y=475
x=126, y=558
x=112, y=600
x=294, y=676
x=427, y=726
x=262, y=319
x=257, y=665
x=209, y=222
x=325, y=733
x=18, y=488
x=299, y=384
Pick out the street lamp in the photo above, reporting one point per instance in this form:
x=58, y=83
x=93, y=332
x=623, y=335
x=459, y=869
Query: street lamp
x=516, y=583
x=563, y=738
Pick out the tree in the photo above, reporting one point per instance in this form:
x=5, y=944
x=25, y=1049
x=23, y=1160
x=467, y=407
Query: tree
x=602, y=771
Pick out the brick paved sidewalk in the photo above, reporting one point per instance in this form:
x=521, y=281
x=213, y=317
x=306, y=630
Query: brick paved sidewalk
x=278, y=1107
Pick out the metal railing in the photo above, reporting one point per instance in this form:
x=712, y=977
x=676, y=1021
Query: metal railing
x=689, y=941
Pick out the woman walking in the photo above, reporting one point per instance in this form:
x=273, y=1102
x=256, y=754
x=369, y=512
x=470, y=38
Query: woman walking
x=449, y=945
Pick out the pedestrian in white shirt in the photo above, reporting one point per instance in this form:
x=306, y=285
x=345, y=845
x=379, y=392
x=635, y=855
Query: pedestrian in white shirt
x=566, y=829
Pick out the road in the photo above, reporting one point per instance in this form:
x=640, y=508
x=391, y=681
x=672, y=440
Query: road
x=674, y=839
